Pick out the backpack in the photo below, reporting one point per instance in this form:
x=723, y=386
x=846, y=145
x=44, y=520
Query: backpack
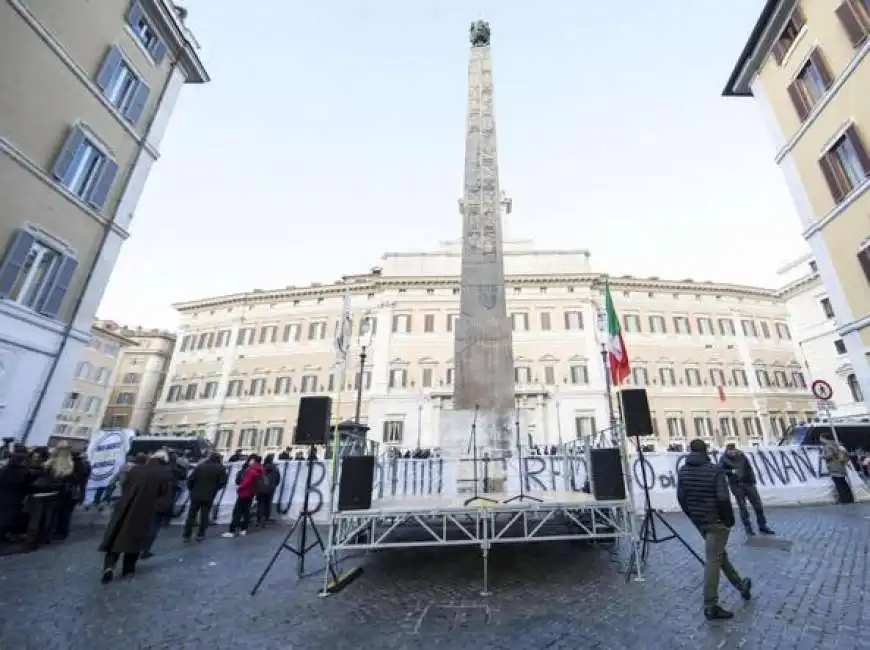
x=264, y=483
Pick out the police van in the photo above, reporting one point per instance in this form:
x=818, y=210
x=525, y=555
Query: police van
x=854, y=436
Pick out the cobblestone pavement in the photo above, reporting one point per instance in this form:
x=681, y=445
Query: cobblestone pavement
x=810, y=596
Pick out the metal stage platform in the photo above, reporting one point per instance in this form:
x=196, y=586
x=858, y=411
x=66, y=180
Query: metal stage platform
x=433, y=522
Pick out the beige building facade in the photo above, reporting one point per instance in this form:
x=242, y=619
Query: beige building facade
x=718, y=361
x=806, y=64
x=86, y=93
x=88, y=394
x=140, y=377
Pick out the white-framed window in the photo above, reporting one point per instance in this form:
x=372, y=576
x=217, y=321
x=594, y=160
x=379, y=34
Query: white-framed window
x=246, y=336
x=727, y=425
x=131, y=378
x=546, y=321
x=584, y=424
x=367, y=380
x=103, y=375
x=426, y=378
x=398, y=378
x=223, y=338
x=402, y=324
x=83, y=432
x=451, y=320
x=249, y=438
x=520, y=322
x=717, y=377
x=186, y=343
x=682, y=325
x=274, y=437
x=93, y=404
x=780, y=379
x=579, y=374
x=268, y=334
x=762, y=377
x=125, y=398
x=703, y=425
x=257, y=387
x=798, y=378
x=693, y=377
x=174, y=393
x=632, y=323
x=676, y=425
x=283, y=385
x=292, y=332
x=705, y=326
x=122, y=86
x=726, y=327
x=783, y=332
x=145, y=33
x=35, y=274
x=71, y=401
x=752, y=426
x=210, y=390
x=393, y=431
x=234, y=388
x=667, y=377
x=428, y=323
x=84, y=168
x=191, y=391
x=855, y=388
x=657, y=325
x=448, y=376
x=316, y=330
x=308, y=384
x=83, y=370
x=522, y=375
x=749, y=328
x=549, y=375
x=573, y=320
x=639, y=376
x=739, y=377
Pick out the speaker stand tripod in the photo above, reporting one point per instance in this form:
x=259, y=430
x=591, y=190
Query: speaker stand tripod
x=303, y=523
x=521, y=472
x=477, y=496
x=648, y=533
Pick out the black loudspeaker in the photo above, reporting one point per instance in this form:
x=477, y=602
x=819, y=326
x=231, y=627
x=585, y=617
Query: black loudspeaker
x=635, y=412
x=608, y=482
x=312, y=424
x=356, y=482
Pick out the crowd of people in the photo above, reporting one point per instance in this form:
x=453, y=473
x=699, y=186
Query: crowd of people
x=39, y=490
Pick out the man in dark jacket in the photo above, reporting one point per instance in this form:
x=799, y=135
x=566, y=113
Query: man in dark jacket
x=741, y=480
x=205, y=482
x=702, y=492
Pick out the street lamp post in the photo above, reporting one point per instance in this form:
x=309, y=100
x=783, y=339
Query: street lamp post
x=364, y=340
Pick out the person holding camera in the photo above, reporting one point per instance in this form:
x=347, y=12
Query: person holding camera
x=741, y=480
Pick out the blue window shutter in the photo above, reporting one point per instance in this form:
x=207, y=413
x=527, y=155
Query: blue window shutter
x=140, y=97
x=100, y=193
x=16, y=255
x=66, y=157
x=158, y=51
x=134, y=15
x=54, y=298
x=109, y=68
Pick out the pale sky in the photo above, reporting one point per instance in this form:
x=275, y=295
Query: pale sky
x=333, y=131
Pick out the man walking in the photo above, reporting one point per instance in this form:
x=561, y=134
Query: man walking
x=741, y=480
x=205, y=482
x=702, y=492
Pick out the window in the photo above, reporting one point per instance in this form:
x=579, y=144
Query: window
x=765, y=329
x=789, y=35
x=190, y=391
x=367, y=380
x=282, y=385
x=549, y=375
x=249, y=438
x=201, y=343
x=780, y=379
x=111, y=349
x=657, y=325
x=93, y=405
x=393, y=431
x=451, y=319
x=855, y=18
x=681, y=325
x=274, y=437
x=291, y=332
x=726, y=327
x=103, y=375
x=840, y=346
x=84, y=169
x=131, y=378
x=268, y=334
x=783, y=332
x=257, y=387
x=717, y=376
x=798, y=378
x=210, y=390
x=308, y=384
x=330, y=382
x=573, y=320
x=705, y=326
x=316, y=330
x=121, y=86
x=579, y=375
x=234, y=388
x=185, y=343
x=703, y=426
x=174, y=393
x=520, y=322
x=855, y=388
x=246, y=336
x=749, y=328
x=676, y=426
x=864, y=259
x=125, y=398
x=402, y=324
x=762, y=378
x=693, y=377
x=145, y=34
x=667, y=376
x=728, y=426
x=35, y=275
x=71, y=401
x=739, y=376
x=522, y=375
x=827, y=309
x=545, y=321
x=846, y=165
x=448, y=377
x=83, y=370
x=632, y=323
x=429, y=323
x=810, y=84
x=398, y=378
x=426, y=378
x=752, y=426
x=584, y=425
x=639, y=376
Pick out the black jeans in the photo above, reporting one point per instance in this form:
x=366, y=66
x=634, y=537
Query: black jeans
x=844, y=492
x=202, y=510
x=742, y=492
x=241, y=515
x=128, y=565
x=264, y=507
x=63, y=515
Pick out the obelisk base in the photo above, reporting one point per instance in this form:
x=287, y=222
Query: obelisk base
x=495, y=433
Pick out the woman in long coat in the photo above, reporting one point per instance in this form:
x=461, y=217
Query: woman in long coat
x=146, y=490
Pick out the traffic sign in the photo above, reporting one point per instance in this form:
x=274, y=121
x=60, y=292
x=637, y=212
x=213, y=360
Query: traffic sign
x=822, y=390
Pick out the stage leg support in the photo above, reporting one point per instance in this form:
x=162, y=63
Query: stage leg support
x=485, y=554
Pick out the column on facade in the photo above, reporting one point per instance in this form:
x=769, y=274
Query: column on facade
x=758, y=402
x=227, y=364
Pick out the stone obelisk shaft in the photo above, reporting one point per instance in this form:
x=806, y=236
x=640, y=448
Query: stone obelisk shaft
x=484, y=377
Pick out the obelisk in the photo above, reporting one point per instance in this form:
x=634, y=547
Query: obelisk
x=483, y=353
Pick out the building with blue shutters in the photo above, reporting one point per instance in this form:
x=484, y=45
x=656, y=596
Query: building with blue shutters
x=80, y=129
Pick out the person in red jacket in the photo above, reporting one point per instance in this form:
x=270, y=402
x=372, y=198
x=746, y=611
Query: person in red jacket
x=245, y=494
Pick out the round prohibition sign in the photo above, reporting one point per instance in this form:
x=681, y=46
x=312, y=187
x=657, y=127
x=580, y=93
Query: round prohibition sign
x=822, y=390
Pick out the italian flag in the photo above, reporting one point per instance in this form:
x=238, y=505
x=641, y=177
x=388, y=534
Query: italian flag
x=619, y=368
